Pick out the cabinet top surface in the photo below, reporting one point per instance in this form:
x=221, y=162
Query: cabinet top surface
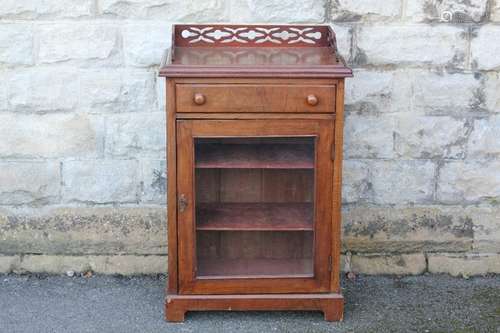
x=253, y=50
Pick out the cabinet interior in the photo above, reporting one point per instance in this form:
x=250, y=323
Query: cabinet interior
x=254, y=207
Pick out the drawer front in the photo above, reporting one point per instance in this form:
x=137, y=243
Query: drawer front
x=255, y=98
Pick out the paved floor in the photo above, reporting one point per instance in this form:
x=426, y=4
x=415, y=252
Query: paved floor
x=374, y=304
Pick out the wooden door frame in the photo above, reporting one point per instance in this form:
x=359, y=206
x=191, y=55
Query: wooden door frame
x=187, y=130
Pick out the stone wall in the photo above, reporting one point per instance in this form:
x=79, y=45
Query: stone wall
x=82, y=142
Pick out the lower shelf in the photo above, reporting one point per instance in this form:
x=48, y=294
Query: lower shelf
x=255, y=216
x=331, y=304
x=262, y=268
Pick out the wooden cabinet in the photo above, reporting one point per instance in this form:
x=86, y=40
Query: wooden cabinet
x=254, y=126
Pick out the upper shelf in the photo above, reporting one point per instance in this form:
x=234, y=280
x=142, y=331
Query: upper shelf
x=254, y=50
x=254, y=156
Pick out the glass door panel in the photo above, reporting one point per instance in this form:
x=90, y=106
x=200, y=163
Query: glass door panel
x=254, y=214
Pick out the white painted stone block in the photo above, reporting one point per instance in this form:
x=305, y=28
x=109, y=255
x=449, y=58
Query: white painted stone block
x=343, y=35
x=33, y=9
x=138, y=92
x=355, y=182
x=101, y=264
x=486, y=226
x=469, y=181
x=42, y=89
x=484, y=141
x=100, y=181
x=29, y=182
x=373, y=92
x=412, y=44
x=403, y=264
x=354, y=10
x=119, y=91
x=53, y=264
x=9, y=263
x=50, y=135
x=83, y=229
x=445, y=11
x=16, y=44
x=464, y=264
x=101, y=90
x=130, y=264
x=136, y=135
x=368, y=136
x=430, y=137
x=402, y=182
x=491, y=92
x=369, y=228
x=485, y=48
x=154, y=181
x=167, y=10
x=443, y=93
x=4, y=76
x=144, y=44
x=161, y=95
x=276, y=11
x=84, y=43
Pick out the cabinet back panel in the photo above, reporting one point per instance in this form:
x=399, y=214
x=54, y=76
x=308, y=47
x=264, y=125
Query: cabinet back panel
x=254, y=245
x=254, y=185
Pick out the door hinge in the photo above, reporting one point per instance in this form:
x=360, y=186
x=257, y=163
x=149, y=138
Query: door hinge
x=330, y=264
x=333, y=151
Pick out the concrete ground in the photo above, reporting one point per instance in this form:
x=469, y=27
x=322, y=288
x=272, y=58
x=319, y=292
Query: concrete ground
x=429, y=303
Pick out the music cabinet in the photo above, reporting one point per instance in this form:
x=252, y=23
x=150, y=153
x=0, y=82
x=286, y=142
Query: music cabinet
x=254, y=161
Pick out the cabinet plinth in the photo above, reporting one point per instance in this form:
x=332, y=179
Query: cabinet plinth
x=254, y=164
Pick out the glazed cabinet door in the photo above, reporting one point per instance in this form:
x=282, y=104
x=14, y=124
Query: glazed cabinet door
x=254, y=205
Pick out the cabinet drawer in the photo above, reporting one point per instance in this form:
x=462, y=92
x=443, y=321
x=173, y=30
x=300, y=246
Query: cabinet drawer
x=255, y=98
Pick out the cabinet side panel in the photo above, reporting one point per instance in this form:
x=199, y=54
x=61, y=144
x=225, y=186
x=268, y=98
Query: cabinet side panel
x=337, y=188
x=172, y=189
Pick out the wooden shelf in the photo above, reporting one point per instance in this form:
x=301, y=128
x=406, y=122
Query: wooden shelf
x=255, y=156
x=255, y=216
x=262, y=268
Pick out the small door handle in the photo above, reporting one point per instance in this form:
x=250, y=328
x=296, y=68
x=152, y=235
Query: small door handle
x=312, y=100
x=183, y=203
x=199, y=99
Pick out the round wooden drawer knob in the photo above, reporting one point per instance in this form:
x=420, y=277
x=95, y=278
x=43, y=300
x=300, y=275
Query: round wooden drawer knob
x=199, y=99
x=312, y=100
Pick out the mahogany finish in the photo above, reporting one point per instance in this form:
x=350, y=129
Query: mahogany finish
x=254, y=153
x=254, y=51
x=255, y=216
x=332, y=305
x=244, y=269
x=251, y=156
x=255, y=98
x=250, y=35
